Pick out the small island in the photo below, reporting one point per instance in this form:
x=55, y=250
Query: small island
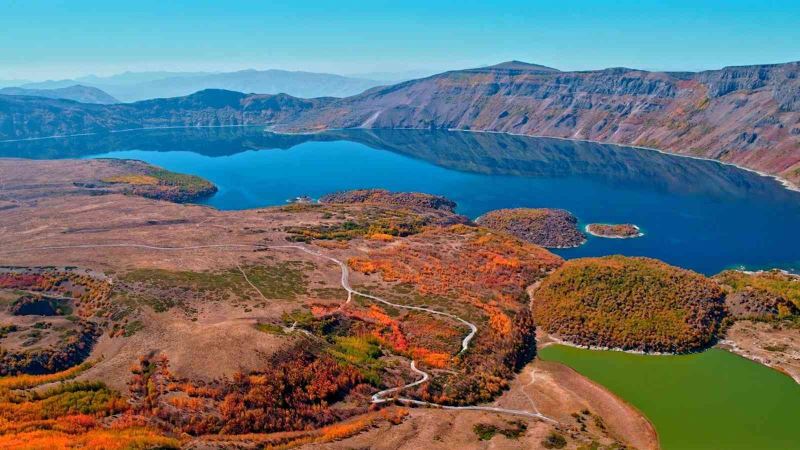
x=614, y=231
x=552, y=228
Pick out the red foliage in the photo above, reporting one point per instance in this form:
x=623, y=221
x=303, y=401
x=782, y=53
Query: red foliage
x=387, y=330
x=467, y=269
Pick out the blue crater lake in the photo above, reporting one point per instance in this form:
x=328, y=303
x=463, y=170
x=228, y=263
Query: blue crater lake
x=696, y=214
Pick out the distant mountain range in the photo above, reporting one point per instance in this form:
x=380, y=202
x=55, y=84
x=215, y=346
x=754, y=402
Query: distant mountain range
x=744, y=115
x=136, y=86
x=78, y=93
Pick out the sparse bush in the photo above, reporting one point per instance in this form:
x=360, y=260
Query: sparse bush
x=554, y=440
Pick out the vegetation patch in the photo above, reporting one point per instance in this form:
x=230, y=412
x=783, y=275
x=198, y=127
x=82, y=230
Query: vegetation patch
x=162, y=290
x=389, y=223
x=384, y=197
x=361, y=352
x=373, y=221
x=629, y=303
x=513, y=430
x=5, y=330
x=554, y=440
x=295, y=391
x=620, y=230
x=484, y=274
x=29, y=305
x=90, y=293
x=72, y=348
x=553, y=228
x=157, y=183
x=270, y=328
x=761, y=295
x=70, y=415
x=133, y=327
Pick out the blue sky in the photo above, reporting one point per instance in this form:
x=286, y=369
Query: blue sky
x=60, y=39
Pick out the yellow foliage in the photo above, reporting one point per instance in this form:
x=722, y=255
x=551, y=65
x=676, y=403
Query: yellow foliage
x=29, y=381
x=140, y=180
x=98, y=439
x=383, y=237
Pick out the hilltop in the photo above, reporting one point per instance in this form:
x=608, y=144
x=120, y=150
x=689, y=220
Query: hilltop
x=629, y=303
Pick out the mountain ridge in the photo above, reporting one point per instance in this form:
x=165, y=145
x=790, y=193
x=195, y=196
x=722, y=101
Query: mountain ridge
x=745, y=115
x=138, y=86
x=77, y=92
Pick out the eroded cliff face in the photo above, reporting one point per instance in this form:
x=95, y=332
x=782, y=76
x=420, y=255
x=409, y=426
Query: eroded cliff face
x=744, y=115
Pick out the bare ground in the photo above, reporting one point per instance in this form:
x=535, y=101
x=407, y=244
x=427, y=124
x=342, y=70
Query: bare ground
x=774, y=345
x=447, y=430
x=220, y=338
x=560, y=392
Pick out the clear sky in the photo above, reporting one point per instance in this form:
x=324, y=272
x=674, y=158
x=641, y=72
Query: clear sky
x=59, y=39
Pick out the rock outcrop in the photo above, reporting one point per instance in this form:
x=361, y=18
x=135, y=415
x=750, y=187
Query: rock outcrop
x=384, y=197
x=552, y=228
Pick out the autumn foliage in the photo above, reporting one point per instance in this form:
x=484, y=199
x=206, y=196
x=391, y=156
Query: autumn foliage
x=90, y=293
x=294, y=393
x=292, y=439
x=69, y=415
x=474, y=273
x=783, y=287
x=630, y=303
x=296, y=390
x=87, y=294
x=541, y=226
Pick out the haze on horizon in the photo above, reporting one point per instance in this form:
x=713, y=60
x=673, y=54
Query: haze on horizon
x=48, y=39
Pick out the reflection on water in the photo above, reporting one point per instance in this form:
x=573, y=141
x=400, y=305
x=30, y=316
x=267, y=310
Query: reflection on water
x=695, y=213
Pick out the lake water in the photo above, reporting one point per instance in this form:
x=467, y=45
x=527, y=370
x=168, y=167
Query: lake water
x=696, y=214
x=710, y=400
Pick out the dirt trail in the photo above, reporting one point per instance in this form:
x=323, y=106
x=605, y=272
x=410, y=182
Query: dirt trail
x=378, y=397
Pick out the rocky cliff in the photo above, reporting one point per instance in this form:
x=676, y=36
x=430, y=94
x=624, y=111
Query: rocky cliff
x=744, y=115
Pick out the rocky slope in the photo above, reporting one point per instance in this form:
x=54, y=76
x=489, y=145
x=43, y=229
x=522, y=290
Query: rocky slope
x=744, y=115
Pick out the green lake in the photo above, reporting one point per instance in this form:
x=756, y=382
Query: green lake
x=709, y=400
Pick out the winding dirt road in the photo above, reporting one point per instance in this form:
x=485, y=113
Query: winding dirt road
x=378, y=397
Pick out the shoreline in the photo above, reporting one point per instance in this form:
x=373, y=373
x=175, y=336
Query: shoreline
x=638, y=235
x=734, y=348
x=553, y=340
x=784, y=182
x=123, y=130
x=788, y=185
x=721, y=344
